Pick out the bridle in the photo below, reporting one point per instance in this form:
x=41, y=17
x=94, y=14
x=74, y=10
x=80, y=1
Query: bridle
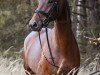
x=44, y=23
x=38, y=27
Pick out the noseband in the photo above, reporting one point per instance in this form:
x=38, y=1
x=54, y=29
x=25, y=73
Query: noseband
x=54, y=8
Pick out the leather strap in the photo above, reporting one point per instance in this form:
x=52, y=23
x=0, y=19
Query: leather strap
x=42, y=12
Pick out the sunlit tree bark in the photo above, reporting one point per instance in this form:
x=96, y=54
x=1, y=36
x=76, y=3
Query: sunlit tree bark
x=88, y=24
x=81, y=24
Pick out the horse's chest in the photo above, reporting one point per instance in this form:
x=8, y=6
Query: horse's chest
x=54, y=55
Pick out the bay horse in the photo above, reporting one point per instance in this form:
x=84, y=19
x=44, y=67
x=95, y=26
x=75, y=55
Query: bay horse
x=63, y=46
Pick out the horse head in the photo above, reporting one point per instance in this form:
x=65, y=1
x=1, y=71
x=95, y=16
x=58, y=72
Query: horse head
x=46, y=12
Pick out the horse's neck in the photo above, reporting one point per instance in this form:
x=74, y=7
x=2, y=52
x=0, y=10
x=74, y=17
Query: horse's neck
x=64, y=35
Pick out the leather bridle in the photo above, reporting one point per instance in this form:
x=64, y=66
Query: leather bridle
x=38, y=27
x=48, y=15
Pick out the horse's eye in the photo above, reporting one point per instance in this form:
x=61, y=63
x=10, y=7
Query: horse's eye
x=50, y=1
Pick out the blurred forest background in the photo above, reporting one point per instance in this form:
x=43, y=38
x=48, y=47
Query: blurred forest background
x=14, y=16
x=85, y=15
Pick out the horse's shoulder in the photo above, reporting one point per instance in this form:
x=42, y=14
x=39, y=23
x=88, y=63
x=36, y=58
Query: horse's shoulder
x=30, y=36
x=34, y=35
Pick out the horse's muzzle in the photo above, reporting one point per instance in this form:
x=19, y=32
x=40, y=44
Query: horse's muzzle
x=36, y=26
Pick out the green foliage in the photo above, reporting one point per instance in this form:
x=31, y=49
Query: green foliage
x=13, y=17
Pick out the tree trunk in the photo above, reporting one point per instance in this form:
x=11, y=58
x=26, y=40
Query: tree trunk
x=88, y=25
x=81, y=26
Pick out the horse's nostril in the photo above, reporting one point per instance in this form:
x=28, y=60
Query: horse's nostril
x=35, y=25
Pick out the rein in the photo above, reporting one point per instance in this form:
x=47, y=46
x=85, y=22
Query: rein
x=45, y=24
x=48, y=48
